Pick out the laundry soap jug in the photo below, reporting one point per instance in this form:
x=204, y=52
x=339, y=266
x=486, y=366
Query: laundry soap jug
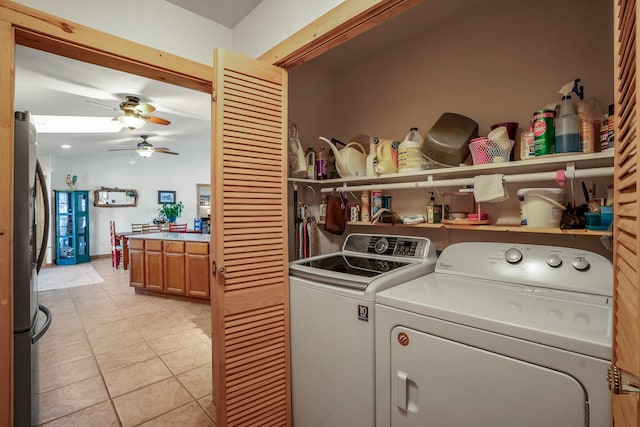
x=387, y=153
x=409, y=153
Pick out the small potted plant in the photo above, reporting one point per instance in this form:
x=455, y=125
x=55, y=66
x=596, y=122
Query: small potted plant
x=171, y=211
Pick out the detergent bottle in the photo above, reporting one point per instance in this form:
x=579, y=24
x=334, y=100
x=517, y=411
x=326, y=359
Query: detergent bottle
x=409, y=153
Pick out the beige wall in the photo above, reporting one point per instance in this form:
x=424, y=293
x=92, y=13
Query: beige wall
x=492, y=63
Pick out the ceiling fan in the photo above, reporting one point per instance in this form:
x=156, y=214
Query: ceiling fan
x=145, y=149
x=135, y=113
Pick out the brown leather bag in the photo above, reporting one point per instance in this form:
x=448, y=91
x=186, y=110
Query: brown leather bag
x=337, y=213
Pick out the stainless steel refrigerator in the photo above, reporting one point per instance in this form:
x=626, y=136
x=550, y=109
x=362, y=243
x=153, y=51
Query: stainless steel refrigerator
x=31, y=320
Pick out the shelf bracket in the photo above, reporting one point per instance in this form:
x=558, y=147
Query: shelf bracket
x=570, y=171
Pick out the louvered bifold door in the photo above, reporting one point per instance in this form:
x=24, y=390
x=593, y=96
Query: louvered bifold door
x=626, y=250
x=250, y=297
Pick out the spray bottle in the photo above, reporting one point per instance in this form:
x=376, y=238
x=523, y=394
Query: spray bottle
x=567, y=122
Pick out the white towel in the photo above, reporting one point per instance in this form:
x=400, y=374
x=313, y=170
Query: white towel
x=489, y=188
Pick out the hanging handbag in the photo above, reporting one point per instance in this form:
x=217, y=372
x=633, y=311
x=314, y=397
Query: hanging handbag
x=337, y=213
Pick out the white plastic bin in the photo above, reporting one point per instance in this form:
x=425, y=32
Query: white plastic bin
x=541, y=207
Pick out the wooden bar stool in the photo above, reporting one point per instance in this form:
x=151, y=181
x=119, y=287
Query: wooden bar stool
x=178, y=228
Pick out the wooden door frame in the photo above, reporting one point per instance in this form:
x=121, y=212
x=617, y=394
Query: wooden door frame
x=29, y=27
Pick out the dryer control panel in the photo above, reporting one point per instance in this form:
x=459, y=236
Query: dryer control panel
x=552, y=267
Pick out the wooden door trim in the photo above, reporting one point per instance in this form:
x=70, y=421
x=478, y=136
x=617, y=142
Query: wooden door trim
x=342, y=23
x=7, y=55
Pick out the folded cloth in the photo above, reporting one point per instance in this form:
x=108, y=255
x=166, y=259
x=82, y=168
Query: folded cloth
x=489, y=188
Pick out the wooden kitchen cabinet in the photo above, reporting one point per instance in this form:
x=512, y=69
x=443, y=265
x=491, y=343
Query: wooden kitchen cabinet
x=153, y=265
x=174, y=267
x=197, y=269
x=136, y=263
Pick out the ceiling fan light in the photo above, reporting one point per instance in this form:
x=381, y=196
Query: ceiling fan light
x=145, y=152
x=132, y=121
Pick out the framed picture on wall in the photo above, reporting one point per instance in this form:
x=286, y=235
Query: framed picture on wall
x=165, y=196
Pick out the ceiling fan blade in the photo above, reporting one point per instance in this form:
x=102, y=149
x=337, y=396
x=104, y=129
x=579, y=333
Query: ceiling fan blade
x=103, y=106
x=156, y=120
x=164, y=151
x=144, y=108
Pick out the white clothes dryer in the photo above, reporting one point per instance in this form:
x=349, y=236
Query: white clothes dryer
x=332, y=325
x=500, y=335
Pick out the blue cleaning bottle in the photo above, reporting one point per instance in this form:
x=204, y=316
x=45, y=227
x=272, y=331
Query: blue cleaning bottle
x=567, y=124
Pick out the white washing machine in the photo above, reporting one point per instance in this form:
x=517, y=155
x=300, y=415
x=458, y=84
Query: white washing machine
x=332, y=321
x=499, y=335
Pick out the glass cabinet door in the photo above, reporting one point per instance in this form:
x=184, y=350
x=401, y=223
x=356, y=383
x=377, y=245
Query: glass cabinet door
x=72, y=227
x=82, y=204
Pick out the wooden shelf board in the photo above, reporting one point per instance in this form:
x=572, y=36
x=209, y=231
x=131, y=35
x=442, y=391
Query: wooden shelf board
x=498, y=228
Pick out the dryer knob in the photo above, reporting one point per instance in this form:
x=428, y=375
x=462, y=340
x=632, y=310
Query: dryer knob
x=580, y=263
x=513, y=256
x=554, y=261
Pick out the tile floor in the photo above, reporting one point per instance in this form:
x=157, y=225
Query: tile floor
x=115, y=358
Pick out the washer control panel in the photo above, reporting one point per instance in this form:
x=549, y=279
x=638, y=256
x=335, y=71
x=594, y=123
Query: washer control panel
x=535, y=265
x=395, y=246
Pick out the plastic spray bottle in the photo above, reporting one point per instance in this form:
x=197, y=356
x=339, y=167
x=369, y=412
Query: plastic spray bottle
x=567, y=123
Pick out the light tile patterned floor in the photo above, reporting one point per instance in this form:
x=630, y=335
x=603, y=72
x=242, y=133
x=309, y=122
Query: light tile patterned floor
x=116, y=358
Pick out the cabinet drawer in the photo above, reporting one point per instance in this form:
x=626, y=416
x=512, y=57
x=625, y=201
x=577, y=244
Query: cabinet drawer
x=175, y=247
x=136, y=244
x=197, y=248
x=153, y=245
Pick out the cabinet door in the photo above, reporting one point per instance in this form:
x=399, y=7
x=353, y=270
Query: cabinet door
x=153, y=261
x=81, y=211
x=197, y=270
x=174, y=275
x=136, y=267
x=626, y=240
x=65, y=225
x=250, y=295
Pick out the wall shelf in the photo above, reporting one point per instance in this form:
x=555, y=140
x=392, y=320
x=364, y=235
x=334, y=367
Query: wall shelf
x=541, y=168
x=496, y=228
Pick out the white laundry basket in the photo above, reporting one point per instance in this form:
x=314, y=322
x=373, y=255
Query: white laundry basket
x=541, y=207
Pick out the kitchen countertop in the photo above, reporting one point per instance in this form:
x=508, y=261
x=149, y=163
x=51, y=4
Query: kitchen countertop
x=186, y=237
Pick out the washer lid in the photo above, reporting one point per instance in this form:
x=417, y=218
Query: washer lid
x=569, y=320
x=345, y=269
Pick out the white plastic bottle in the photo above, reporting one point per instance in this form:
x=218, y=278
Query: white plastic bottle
x=409, y=155
x=371, y=159
x=310, y=158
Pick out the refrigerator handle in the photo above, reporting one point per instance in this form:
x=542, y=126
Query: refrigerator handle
x=47, y=216
x=46, y=325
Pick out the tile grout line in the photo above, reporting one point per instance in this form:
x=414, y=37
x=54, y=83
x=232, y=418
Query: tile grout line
x=76, y=301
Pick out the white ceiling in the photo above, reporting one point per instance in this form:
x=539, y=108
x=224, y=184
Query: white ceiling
x=225, y=12
x=48, y=84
